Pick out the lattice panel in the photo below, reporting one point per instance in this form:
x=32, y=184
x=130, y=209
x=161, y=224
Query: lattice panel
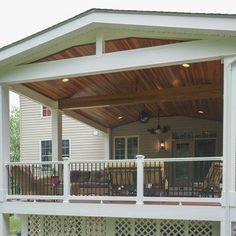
x=34, y=225
x=99, y=226
x=73, y=226
x=123, y=227
x=53, y=226
x=172, y=228
x=200, y=228
x=95, y=226
x=144, y=227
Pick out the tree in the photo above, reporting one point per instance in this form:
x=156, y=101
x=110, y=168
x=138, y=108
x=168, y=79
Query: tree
x=15, y=134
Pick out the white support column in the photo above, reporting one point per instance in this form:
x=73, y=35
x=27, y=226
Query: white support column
x=107, y=142
x=4, y=140
x=56, y=135
x=229, y=143
x=140, y=175
x=100, y=45
x=4, y=224
x=229, y=134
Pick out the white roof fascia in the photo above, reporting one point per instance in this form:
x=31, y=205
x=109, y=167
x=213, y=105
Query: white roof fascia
x=188, y=23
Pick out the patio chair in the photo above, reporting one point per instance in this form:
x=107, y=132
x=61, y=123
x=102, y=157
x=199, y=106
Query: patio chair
x=90, y=183
x=25, y=183
x=210, y=185
x=123, y=178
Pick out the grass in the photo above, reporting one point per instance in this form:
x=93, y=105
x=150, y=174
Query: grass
x=14, y=225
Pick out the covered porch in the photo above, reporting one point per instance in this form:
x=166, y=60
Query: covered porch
x=162, y=124
x=113, y=70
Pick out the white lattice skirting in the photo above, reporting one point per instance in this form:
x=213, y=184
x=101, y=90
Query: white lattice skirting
x=98, y=226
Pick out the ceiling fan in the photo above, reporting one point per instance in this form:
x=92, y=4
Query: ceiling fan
x=159, y=129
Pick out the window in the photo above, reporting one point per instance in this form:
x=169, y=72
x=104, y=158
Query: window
x=46, y=111
x=46, y=149
x=125, y=147
x=65, y=148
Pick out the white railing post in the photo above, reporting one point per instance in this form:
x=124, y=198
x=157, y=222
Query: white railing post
x=66, y=179
x=140, y=175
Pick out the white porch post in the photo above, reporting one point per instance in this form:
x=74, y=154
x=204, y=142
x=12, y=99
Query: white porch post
x=229, y=142
x=100, y=45
x=56, y=135
x=4, y=224
x=4, y=154
x=107, y=141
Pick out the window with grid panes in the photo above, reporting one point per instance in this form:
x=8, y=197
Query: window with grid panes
x=46, y=111
x=125, y=147
x=46, y=149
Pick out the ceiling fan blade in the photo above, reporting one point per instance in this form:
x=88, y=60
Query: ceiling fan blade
x=165, y=129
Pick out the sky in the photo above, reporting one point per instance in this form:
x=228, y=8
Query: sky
x=19, y=19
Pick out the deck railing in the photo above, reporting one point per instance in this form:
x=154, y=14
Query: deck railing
x=167, y=179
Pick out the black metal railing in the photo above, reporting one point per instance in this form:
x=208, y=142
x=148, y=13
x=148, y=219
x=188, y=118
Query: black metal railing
x=103, y=178
x=171, y=177
x=183, y=179
x=35, y=179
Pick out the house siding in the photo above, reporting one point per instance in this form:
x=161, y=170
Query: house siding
x=149, y=143
x=34, y=128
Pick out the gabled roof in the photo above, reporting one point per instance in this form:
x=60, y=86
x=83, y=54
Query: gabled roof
x=200, y=26
x=93, y=10
x=166, y=39
x=121, y=11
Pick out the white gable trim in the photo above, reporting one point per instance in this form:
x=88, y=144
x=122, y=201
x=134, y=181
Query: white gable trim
x=187, y=23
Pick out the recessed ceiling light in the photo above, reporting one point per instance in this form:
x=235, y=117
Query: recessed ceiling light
x=120, y=117
x=200, y=112
x=185, y=65
x=65, y=80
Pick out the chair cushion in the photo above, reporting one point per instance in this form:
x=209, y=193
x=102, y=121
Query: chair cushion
x=99, y=177
x=79, y=176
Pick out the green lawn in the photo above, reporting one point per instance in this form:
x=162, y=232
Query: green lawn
x=14, y=225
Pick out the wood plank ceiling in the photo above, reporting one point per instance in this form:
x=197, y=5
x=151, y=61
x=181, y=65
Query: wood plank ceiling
x=203, y=73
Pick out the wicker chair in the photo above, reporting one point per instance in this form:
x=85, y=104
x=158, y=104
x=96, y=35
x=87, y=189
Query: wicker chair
x=211, y=184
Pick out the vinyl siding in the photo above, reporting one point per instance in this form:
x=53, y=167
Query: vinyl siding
x=149, y=143
x=34, y=128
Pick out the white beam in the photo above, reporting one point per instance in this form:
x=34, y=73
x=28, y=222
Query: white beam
x=4, y=140
x=85, y=120
x=166, y=55
x=152, y=211
x=56, y=135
